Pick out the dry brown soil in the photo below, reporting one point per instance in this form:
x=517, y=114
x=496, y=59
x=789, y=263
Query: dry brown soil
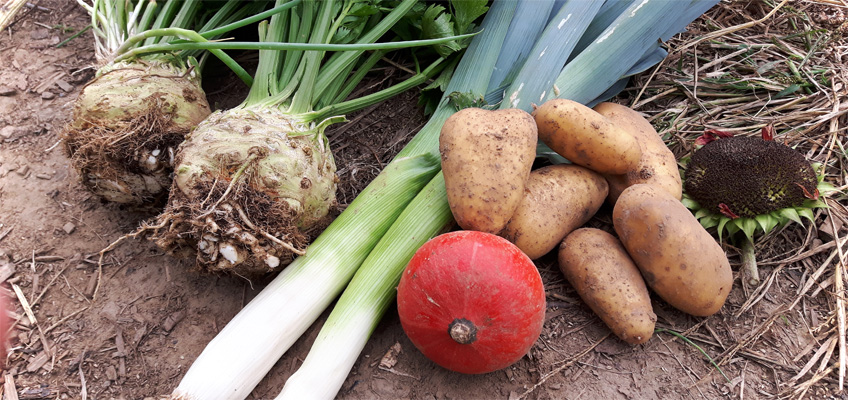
x=153, y=314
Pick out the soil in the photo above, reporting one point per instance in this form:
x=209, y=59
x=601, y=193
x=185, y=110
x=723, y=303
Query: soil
x=132, y=332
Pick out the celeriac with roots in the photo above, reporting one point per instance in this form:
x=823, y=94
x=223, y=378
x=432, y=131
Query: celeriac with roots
x=254, y=185
x=128, y=121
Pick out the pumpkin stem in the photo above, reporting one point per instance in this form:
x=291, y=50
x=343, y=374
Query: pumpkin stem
x=462, y=331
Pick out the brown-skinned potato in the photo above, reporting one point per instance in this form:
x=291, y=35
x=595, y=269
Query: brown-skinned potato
x=678, y=258
x=596, y=264
x=658, y=166
x=585, y=137
x=557, y=200
x=486, y=159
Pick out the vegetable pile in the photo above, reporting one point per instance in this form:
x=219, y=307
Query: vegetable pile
x=526, y=53
x=660, y=240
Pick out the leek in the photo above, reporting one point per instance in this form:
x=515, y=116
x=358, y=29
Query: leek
x=372, y=289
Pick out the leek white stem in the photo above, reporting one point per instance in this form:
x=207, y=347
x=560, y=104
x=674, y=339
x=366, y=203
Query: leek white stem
x=236, y=360
x=368, y=296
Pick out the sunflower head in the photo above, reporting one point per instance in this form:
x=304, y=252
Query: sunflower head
x=749, y=184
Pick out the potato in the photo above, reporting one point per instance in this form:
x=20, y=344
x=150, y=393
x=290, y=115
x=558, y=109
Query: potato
x=557, y=200
x=486, y=159
x=658, y=166
x=596, y=264
x=678, y=258
x=586, y=138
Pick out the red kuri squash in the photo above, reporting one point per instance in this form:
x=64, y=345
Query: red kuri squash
x=472, y=302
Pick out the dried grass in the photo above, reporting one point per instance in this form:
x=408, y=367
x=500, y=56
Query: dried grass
x=738, y=68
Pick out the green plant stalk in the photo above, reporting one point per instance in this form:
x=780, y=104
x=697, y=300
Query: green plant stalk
x=359, y=103
x=302, y=100
x=186, y=34
x=749, y=262
x=207, y=45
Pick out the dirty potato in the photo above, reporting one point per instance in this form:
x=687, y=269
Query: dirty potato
x=678, y=258
x=557, y=200
x=596, y=264
x=586, y=138
x=658, y=166
x=486, y=159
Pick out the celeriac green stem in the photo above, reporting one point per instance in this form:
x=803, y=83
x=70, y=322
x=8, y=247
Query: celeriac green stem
x=331, y=71
x=302, y=100
x=186, y=34
x=163, y=18
x=148, y=16
x=208, y=45
x=377, y=97
x=249, y=20
x=347, y=88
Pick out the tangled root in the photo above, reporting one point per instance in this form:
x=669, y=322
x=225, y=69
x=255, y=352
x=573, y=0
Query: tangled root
x=127, y=161
x=126, y=126
x=232, y=229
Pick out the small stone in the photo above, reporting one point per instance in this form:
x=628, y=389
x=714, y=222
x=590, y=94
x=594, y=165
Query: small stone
x=47, y=95
x=7, y=91
x=69, y=228
x=10, y=133
x=44, y=176
x=39, y=34
x=65, y=86
x=172, y=320
x=111, y=373
x=23, y=171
